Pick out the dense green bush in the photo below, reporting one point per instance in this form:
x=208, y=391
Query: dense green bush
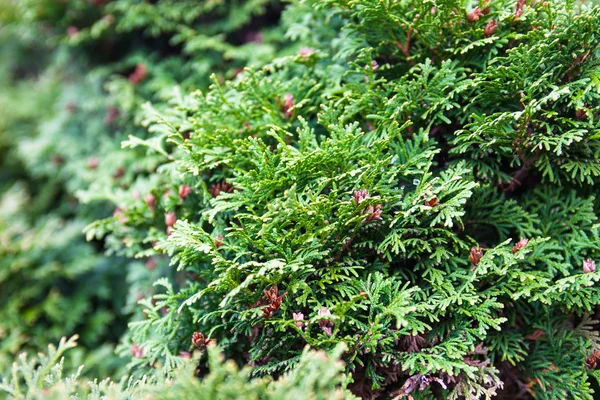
x=61, y=149
x=409, y=181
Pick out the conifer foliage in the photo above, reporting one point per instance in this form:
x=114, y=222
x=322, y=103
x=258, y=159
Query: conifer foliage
x=408, y=186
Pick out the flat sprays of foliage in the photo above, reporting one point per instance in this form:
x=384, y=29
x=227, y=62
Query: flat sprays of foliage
x=411, y=182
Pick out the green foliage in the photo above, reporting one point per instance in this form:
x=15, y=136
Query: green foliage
x=317, y=376
x=61, y=149
x=350, y=179
x=411, y=181
x=53, y=282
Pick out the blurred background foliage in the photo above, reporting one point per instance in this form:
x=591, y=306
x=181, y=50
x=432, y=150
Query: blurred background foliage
x=73, y=77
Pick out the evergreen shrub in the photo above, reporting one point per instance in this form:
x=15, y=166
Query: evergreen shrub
x=407, y=185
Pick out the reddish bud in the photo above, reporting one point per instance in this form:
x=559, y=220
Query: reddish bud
x=201, y=342
x=237, y=71
x=216, y=189
x=519, y=8
x=119, y=173
x=219, y=241
x=288, y=104
x=591, y=362
x=274, y=299
x=120, y=215
x=432, y=202
x=299, y=318
x=111, y=115
x=184, y=191
x=139, y=74
x=92, y=163
x=136, y=351
x=150, y=264
x=324, y=323
x=305, y=51
x=373, y=213
x=589, y=266
x=490, y=28
x=520, y=245
x=359, y=196
x=474, y=14
x=324, y=312
x=268, y=311
x=475, y=255
x=150, y=201
x=170, y=218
